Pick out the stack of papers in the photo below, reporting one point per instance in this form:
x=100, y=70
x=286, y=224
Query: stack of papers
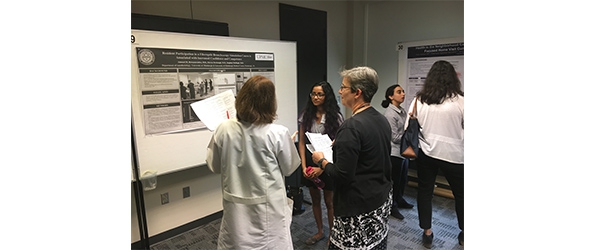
x=214, y=110
x=321, y=142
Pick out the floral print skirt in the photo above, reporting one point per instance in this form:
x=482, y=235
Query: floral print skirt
x=364, y=231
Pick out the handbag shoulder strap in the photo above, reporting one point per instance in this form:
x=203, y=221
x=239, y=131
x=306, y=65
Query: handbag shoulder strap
x=414, y=113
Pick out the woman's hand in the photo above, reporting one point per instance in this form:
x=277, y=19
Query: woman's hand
x=317, y=155
x=312, y=172
x=316, y=172
x=305, y=173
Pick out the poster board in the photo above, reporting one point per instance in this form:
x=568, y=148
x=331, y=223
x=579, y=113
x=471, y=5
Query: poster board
x=186, y=146
x=415, y=60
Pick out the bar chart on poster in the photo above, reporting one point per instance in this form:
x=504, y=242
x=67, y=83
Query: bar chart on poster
x=171, y=71
x=415, y=60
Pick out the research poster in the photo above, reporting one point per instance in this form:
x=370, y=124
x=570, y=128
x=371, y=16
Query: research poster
x=419, y=61
x=171, y=79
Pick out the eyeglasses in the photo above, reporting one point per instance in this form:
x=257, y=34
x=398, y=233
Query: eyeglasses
x=317, y=94
x=343, y=87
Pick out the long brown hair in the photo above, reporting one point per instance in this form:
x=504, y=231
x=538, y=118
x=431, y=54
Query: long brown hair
x=441, y=83
x=256, y=101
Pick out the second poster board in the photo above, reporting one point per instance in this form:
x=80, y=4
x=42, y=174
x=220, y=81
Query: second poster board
x=415, y=60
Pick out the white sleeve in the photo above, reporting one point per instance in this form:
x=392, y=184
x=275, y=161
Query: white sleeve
x=288, y=157
x=213, y=157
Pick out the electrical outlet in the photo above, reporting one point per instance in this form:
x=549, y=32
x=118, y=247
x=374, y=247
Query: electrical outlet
x=165, y=199
x=186, y=192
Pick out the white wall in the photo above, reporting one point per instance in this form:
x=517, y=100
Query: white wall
x=391, y=22
x=357, y=31
x=205, y=199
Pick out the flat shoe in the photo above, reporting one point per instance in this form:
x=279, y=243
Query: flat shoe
x=313, y=240
x=461, y=238
x=396, y=214
x=405, y=205
x=427, y=240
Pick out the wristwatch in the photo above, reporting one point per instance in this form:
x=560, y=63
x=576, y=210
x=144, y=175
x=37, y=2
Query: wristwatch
x=320, y=162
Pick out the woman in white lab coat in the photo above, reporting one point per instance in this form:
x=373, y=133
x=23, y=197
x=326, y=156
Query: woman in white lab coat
x=253, y=155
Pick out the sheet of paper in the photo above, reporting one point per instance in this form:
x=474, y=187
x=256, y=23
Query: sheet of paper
x=216, y=109
x=321, y=142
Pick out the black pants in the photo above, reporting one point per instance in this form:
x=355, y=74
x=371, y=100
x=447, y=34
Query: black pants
x=399, y=178
x=427, y=168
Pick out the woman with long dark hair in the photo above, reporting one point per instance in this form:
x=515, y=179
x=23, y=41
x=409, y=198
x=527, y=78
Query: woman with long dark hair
x=440, y=111
x=320, y=115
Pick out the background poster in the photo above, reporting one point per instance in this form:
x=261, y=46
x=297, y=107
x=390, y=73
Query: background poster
x=415, y=60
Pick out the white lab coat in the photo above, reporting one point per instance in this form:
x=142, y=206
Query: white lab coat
x=253, y=161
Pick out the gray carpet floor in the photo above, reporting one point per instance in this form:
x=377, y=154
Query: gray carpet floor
x=404, y=234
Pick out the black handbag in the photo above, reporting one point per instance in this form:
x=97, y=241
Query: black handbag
x=409, y=144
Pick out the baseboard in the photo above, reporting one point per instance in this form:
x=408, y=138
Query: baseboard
x=178, y=230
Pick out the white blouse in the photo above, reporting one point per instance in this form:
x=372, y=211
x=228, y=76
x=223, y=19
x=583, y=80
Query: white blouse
x=442, y=129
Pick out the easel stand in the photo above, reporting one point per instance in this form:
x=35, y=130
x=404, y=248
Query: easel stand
x=138, y=187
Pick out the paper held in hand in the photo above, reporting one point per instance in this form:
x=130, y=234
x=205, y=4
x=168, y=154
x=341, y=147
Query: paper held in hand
x=216, y=109
x=321, y=143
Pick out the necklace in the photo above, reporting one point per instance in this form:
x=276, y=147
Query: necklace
x=357, y=110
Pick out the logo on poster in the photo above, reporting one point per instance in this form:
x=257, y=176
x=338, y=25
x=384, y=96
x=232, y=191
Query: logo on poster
x=146, y=57
x=264, y=57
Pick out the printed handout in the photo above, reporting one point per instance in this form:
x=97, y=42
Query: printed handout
x=216, y=109
x=320, y=142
